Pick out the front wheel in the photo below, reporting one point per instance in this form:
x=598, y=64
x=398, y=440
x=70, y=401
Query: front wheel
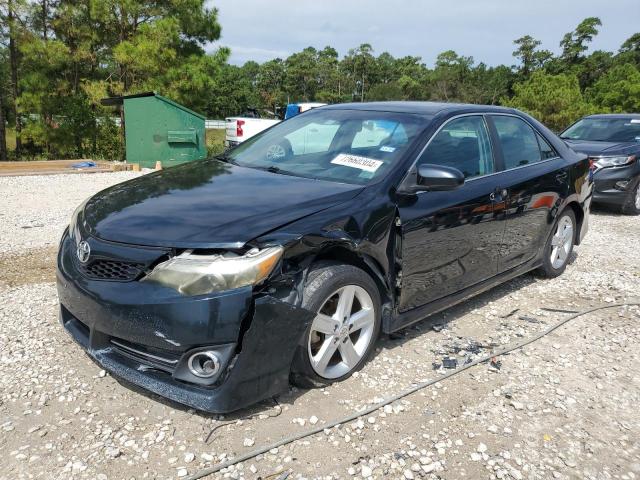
x=344, y=331
x=559, y=246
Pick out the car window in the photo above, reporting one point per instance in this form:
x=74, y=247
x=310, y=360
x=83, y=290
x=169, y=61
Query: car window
x=379, y=132
x=312, y=138
x=462, y=143
x=546, y=150
x=519, y=143
x=341, y=145
x=604, y=130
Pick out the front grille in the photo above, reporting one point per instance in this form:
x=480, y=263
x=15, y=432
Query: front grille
x=101, y=269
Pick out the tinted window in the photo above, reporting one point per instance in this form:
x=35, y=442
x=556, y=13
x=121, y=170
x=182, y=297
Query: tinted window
x=462, y=143
x=546, y=150
x=341, y=145
x=604, y=130
x=518, y=140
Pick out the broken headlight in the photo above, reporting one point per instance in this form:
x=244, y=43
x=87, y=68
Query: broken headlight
x=602, y=162
x=194, y=274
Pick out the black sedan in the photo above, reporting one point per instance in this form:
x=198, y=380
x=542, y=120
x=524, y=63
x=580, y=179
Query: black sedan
x=612, y=142
x=217, y=282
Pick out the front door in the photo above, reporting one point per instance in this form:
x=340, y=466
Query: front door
x=450, y=239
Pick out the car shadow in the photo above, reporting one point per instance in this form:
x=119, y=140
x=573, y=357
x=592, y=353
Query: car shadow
x=608, y=210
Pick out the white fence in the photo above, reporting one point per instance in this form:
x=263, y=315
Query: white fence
x=214, y=124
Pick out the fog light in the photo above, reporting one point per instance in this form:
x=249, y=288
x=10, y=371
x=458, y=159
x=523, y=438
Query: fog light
x=204, y=364
x=622, y=185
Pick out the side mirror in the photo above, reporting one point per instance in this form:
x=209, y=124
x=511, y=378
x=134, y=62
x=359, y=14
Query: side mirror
x=439, y=177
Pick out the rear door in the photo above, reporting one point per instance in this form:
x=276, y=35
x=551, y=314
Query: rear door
x=450, y=240
x=535, y=180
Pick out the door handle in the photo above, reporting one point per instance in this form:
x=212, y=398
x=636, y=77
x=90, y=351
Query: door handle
x=562, y=176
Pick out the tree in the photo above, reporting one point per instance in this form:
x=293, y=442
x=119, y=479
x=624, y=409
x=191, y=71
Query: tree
x=575, y=43
x=302, y=74
x=531, y=58
x=360, y=63
x=555, y=100
x=451, y=71
x=618, y=90
x=630, y=50
x=4, y=82
x=10, y=25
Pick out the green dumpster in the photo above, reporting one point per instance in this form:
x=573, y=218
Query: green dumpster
x=159, y=129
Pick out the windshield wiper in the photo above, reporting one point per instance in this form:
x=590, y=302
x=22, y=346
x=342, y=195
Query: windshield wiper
x=225, y=158
x=278, y=170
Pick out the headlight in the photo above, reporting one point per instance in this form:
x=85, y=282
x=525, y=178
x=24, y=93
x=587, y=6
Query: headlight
x=614, y=161
x=193, y=274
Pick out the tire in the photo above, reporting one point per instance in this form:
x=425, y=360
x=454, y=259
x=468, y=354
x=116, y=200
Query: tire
x=323, y=357
x=552, y=268
x=632, y=203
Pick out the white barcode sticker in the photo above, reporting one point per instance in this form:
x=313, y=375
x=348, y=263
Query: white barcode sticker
x=356, y=161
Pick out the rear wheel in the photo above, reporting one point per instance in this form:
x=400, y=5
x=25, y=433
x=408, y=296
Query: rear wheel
x=632, y=204
x=559, y=247
x=344, y=331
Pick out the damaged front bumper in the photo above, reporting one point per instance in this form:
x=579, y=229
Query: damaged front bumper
x=144, y=334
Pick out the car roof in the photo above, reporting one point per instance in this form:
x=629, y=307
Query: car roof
x=423, y=108
x=615, y=115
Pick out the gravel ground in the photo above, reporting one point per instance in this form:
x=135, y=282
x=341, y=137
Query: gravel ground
x=564, y=407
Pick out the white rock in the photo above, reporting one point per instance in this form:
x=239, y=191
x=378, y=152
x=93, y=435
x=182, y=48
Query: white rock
x=249, y=442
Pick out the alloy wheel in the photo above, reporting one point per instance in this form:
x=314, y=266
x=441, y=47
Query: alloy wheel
x=562, y=242
x=341, y=332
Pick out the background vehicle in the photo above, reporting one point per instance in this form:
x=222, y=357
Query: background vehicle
x=215, y=282
x=294, y=109
x=612, y=142
x=239, y=129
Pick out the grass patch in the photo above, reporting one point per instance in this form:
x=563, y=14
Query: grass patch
x=215, y=141
x=215, y=136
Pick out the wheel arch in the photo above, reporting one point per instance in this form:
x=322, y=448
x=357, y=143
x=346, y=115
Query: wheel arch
x=343, y=254
x=579, y=213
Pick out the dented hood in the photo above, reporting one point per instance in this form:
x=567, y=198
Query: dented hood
x=206, y=204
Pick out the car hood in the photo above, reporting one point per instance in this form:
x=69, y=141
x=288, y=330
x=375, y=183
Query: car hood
x=600, y=148
x=206, y=204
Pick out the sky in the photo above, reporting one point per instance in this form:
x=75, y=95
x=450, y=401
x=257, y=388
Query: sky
x=261, y=30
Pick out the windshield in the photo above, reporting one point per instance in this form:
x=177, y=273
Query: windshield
x=604, y=130
x=347, y=146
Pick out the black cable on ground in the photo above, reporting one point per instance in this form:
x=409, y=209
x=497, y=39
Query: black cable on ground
x=394, y=398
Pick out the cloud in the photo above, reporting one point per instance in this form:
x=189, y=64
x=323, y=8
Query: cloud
x=260, y=29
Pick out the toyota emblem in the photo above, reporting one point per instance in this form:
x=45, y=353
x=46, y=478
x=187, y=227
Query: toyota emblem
x=83, y=250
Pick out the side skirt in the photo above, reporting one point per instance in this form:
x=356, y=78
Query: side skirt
x=402, y=320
